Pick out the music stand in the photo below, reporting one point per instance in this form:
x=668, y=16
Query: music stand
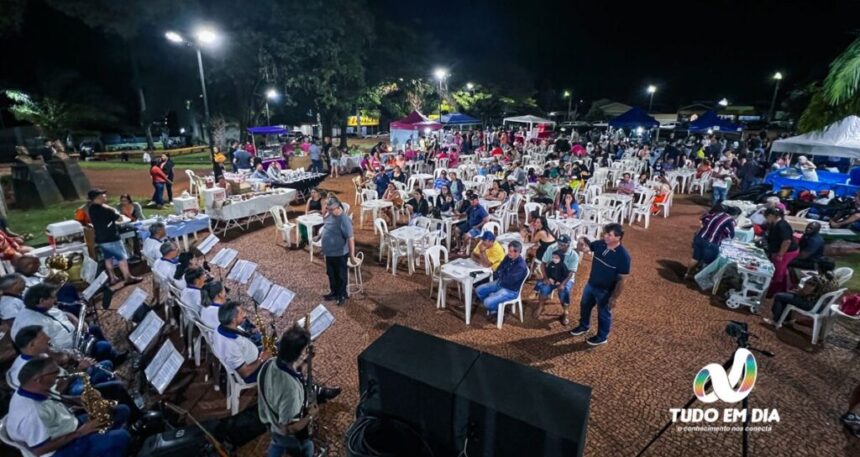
x=164, y=366
x=277, y=300
x=321, y=320
x=146, y=332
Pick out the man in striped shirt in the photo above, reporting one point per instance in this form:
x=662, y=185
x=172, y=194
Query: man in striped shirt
x=717, y=225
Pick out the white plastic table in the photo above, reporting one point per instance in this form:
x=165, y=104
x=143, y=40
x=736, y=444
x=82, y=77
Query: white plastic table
x=377, y=205
x=423, y=177
x=430, y=193
x=567, y=225
x=684, y=174
x=490, y=204
x=505, y=239
x=625, y=200
x=409, y=234
x=309, y=221
x=461, y=270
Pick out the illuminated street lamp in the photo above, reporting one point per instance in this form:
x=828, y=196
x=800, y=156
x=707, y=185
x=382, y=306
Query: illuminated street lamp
x=441, y=74
x=651, y=90
x=204, y=37
x=569, y=98
x=724, y=103
x=271, y=94
x=778, y=78
x=470, y=86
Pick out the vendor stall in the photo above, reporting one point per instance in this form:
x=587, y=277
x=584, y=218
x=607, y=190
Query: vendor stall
x=269, y=151
x=411, y=128
x=538, y=126
x=751, y=265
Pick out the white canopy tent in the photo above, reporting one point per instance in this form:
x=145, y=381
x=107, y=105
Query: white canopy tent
x=840, y=139
x=530, y=120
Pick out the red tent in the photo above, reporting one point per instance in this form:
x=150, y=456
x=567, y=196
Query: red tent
x=415, y=121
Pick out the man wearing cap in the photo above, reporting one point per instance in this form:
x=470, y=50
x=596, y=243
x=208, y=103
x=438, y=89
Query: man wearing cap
x=571, y=261
x=476, y=217
x=488, y=252
x=507, y=280
x=609, y=271
x=338, y=246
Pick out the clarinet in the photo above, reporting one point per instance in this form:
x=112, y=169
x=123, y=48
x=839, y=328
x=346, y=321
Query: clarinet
x=310, y=390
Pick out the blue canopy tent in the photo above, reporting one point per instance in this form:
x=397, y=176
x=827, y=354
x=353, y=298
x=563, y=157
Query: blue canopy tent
x=634, y=118
x=710, y=121
x=268, y=130
x=459, y=119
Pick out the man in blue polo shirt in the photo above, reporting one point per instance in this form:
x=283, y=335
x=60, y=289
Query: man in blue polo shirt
x=476, y=217
x=609, y=271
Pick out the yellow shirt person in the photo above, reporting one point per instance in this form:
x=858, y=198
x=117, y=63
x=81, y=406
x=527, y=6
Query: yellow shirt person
x=493, y=251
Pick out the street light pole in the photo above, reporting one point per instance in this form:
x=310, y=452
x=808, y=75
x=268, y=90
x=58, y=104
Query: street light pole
x=206, y=107
x=651, y=90
x=778, y=77
x=569, y=100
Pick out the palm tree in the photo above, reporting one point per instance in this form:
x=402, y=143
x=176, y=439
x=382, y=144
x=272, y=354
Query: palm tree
x=843, y=81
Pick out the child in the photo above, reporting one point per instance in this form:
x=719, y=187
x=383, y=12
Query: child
x=556, y=273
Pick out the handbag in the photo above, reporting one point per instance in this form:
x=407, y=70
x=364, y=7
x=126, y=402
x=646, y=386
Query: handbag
x=850, y=305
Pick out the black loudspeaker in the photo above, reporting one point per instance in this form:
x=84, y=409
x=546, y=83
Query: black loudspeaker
x=412, y=376
x=510, y=409
x=448, y=392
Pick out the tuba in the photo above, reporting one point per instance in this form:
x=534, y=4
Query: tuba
x=99, y=409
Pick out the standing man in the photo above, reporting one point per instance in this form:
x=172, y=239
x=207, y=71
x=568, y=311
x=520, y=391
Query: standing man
x=338, y=246
x=241, y=159
x=609, y=271
x=167, y=167
x=105, y=224
x=315, y=154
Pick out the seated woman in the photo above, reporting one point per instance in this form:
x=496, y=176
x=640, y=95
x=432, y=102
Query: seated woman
x=274, y=171
x=259, y=173
x=806, y=296
x=568, y=207
x=417, y=206
x=398, y=175
x=393, y=195
x=453, y=158
x=495, y=192
x=129, y=208
x=538, y=234
x=444, y=202
x=662, y=194
x=704, y=167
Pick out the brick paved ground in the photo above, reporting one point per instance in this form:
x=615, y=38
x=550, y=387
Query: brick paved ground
x=664, y=332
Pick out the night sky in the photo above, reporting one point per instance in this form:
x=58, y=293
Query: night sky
x=692, y=50
x=600, y=49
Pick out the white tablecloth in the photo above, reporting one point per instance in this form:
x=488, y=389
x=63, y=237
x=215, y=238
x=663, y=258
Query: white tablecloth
x=252, y=207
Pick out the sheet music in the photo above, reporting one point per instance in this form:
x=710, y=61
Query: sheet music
x=95, y=286
x=208, y=244
x=223, y=258
x=259, y=288
x=89, y=269
x=164, y=366
x=321, y=320
x=141, y=337
x=152, y=249
x=242, y=271
x=278, y=299
x=132, y=303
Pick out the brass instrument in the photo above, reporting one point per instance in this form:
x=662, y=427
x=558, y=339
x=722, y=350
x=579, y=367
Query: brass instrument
x=310, y=389
x=99, y=409
x=269, y=341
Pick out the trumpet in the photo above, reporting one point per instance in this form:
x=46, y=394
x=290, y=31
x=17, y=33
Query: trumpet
x=99, y=409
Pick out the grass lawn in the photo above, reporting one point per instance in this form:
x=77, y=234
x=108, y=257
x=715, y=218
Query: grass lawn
x=200, y=159
x=35, y=220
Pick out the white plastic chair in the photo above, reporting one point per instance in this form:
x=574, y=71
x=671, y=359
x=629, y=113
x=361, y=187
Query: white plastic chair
x=414, y=182
x=366, y=196
x=531, y=207
x=642, y=209
x=283, y=228
x=382, y=229
x=4, y=437
x=702, y=183
x=397, y=249
x=843, y=275
x=802, y=213
x=819, y=313
x=666, y=204
x=315, y=244
x=205, y=335
x=193, y=185
x=516, y=303
x=235, y=386
x=494, y=227
x=354, y=281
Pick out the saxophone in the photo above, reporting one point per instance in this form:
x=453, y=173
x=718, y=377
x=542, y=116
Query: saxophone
x=269, y=341
x=99, y=409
